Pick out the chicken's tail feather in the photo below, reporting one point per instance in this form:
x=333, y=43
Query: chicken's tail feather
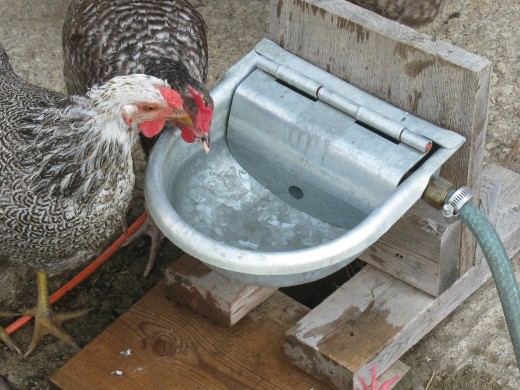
x=5, y=65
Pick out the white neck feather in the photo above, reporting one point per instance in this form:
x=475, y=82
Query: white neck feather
x=111, y=98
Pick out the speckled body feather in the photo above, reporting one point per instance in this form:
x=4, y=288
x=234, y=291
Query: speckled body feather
x=103, y=39
x=64, y=188
x=162, y=38
x=410, y=12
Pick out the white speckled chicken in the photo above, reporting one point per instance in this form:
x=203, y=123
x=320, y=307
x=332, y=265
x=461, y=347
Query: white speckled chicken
x=410, y=12
x=162, y=38
x=66, y=172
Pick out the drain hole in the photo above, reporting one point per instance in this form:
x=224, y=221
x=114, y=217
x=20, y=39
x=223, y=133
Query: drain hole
x=296, y=192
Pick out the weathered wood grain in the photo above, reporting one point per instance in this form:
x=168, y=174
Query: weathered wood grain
x=489, y=198
x=417, y=73
x=222, y=300
x=172, y=347
x=421, y=249
x=374, y=318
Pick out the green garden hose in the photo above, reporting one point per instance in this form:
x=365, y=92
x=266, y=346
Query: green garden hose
x=500, y=266
x=456, y=205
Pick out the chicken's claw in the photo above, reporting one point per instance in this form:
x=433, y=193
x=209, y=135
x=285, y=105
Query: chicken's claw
x=5, y=337
x=46, y=321
x=150, y=229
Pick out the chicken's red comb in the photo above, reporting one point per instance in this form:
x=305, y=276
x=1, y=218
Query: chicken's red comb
x=172, y=97
x=204, y=112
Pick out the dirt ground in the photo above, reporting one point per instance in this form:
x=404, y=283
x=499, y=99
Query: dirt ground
x=449, y=357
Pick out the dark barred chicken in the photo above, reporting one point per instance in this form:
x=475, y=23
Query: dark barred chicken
x=409, y=12
x=162, y=38
x=66, y=173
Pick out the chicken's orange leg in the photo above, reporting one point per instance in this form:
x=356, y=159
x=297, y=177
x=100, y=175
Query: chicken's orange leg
x=45, y=320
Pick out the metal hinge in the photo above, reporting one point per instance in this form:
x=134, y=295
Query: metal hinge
x=362, y=113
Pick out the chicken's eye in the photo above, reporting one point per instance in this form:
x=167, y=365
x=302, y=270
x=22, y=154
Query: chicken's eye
x=148, y=108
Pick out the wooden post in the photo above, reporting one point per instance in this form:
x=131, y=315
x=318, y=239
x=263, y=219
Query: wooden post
x=421, y=249
x=429, y=78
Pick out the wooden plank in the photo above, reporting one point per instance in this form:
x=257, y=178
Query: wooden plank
x=435, y=80
x=222, y=300
x=170, y=344
x=374, y=318
x=427, y=77
x=489, y=198
x=421, y=249
x=173, y=347
x=398, y=368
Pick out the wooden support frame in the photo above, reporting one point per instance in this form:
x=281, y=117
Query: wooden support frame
x=421, y=249
x=224, y=301
x=374, y=318
x=374, y=314
x=426, y=77
x=160, y=345
x=446, y=86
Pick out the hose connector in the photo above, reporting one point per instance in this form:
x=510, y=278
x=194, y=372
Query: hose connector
x=454, y=204
x=437, y=191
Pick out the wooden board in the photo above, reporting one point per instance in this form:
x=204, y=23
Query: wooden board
x=222, y=300
x=374, y=318
x=422, y=250
x=421, y=75
x=173, y=347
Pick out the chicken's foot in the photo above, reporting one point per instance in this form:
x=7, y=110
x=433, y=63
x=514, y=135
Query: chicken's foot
x=45, y=320
x=149, y=228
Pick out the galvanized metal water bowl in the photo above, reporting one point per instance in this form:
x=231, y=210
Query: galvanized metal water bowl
x=304, y=174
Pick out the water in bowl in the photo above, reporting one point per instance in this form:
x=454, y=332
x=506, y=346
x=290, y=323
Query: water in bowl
x=216, y=196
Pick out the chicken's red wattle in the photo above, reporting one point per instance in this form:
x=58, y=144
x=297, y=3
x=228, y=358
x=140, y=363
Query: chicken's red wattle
x=187, y=136
x=151, y=128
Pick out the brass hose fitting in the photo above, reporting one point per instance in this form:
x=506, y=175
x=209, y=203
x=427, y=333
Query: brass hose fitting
x=436, y=191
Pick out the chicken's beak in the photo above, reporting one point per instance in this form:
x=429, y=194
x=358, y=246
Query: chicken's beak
x=182, y=117
x=206, y=143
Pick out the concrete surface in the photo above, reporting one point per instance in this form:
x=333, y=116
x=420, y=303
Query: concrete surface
x=471, y=348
